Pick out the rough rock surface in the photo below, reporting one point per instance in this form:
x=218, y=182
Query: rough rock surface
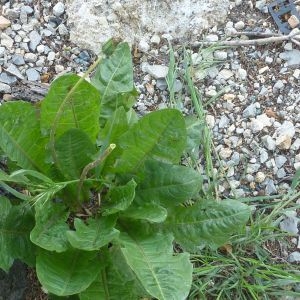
x=93, y=22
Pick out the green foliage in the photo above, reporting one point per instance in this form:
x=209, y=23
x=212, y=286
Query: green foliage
x=69, y=272
x=15, y=225
x=163, y=275
x=206, y=223
x=105, y=191
x=20, y=137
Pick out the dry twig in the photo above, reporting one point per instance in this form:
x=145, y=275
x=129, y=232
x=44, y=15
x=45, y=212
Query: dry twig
x=266, y=39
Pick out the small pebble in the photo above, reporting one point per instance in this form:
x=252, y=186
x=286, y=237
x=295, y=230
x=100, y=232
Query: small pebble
x=58, y=9
x=32, y=74
x=239, y=25
x=144, y=46
x=51, y=56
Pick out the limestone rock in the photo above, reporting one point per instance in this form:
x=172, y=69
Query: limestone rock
x=94, y=22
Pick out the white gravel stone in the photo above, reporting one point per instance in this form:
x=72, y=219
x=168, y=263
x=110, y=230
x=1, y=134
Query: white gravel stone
x=256, y=125
x=252, y=168
x=269, y=60
x=265, y=120
x=4, y=23
x=296, y=73
x=270, y=187
x=264, y=156
x=63, y=30
x=239, y=25
x=279, y=85
x=40, y=48
x=292, y=57
x=281, y=173
x=286, y=128
x=249, y=178
x=224, y=122
x=280, y=160
x=13, y=70
x=5, y=88
x=260, y=177
x=225, y=153
x=27, y=9
x=242, y=74
x=220, y=55
x=225, y=74
x=211, y=38
x=288, y=46
x=6, y=41
x=23, y=17
x=263, y=70
x=18, y=60
x=35, y=39
x=269, y=142
x=144, y=45
x=46, y=32
x=157, y=71
x=294, y=257
x=30, y=57
x=32, y=74
x=59, y=69
x=250, y=111
x=290, y=224
x=155, y=39
x=51, y=56
x=40, y=62
x=296, y=145
x=211, y=121
x=2, y=51
x=58, y=9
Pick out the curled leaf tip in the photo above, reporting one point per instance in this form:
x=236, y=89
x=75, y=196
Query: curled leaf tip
x=112, y=146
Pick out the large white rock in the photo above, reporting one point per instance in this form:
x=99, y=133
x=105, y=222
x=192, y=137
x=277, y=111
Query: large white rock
x=95, y=21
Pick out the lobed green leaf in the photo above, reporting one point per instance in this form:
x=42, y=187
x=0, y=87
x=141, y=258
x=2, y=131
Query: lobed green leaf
x=209, y=223
x=151, y=212
x=20, y=137
x=163, y=275
x=80, y=111
x=114, y=79
x=16, y=223
x=166, y=184
x=93, y=235
x=116, y=281
x=67, y=273
x=119, y=198
x=50, y=229
x=74, y=151
x=160, y=135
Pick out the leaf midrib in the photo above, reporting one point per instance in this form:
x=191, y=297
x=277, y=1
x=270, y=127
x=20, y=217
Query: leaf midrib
x=112, y=76
x=205, y=220
x=149, y=266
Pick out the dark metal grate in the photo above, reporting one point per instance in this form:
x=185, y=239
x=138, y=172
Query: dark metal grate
x=280, y=11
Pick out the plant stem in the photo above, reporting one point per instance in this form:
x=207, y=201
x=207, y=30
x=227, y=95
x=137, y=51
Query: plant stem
x=93, y=165
x=104, y=281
